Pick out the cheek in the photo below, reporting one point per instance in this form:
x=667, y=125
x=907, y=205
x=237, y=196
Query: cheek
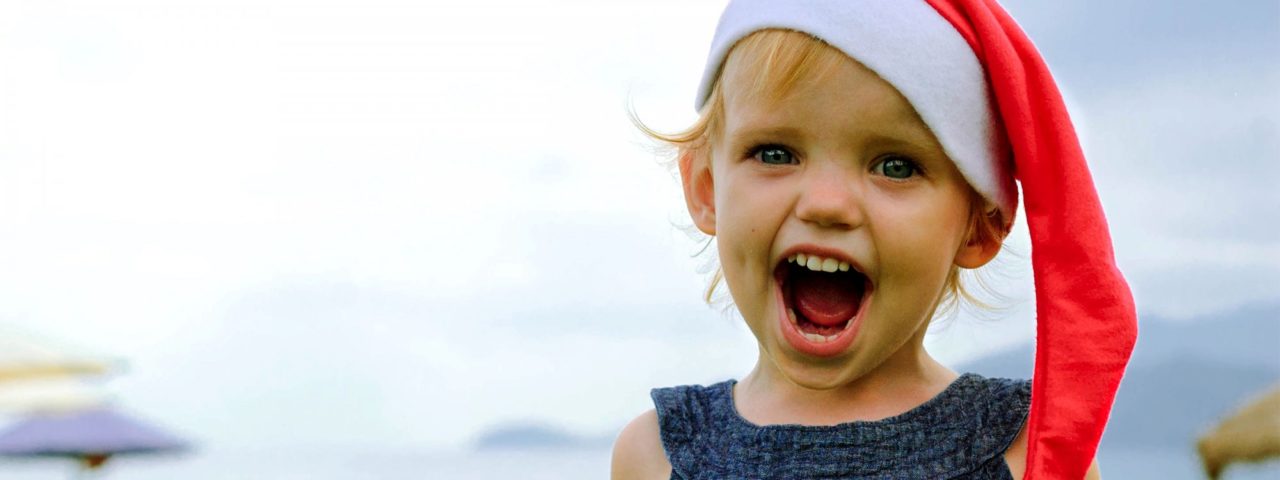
x=747, y=220
x=918, y=239
x=743, y=212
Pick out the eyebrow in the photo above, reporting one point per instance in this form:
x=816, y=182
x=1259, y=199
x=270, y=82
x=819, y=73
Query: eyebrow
x=902, y=137
x=770, y=131
x=905, y=125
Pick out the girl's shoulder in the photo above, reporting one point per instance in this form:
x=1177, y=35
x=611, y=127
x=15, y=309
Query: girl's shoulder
x=638, y=452
x=962, y=431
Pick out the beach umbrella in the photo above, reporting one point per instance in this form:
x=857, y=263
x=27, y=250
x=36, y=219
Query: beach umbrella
x=1250, y=434
x=91, y=436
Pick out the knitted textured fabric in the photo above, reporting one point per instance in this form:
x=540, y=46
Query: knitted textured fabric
x=1007, y=107
x=960, y=434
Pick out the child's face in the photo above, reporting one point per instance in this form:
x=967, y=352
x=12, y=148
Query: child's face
x=840, y=167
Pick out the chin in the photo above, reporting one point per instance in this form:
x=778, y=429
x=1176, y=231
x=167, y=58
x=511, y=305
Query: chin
x=816, y=374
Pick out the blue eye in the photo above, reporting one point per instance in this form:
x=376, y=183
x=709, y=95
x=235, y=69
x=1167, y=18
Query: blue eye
x=897, y=168
x=774, y=155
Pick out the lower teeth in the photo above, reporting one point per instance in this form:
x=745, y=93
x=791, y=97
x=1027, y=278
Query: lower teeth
x=812, y=337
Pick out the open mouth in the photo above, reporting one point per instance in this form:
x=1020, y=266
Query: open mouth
x=822, y=299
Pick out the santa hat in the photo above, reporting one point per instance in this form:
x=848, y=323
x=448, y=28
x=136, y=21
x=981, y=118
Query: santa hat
x=980, y=85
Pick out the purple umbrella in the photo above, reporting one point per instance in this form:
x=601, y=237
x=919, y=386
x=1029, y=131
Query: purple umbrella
x=92, y=436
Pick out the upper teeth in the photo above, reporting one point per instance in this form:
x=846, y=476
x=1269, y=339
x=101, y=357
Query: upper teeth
x=818, y=264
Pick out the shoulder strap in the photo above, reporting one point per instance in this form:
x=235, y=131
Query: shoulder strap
x=686, y=422
x=1000, y=407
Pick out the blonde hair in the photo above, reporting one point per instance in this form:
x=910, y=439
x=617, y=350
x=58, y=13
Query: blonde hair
x=779, y=60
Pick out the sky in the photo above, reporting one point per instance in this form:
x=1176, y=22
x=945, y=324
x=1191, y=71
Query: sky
x=371, y=223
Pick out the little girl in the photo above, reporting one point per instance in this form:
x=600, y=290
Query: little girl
x=849, y=158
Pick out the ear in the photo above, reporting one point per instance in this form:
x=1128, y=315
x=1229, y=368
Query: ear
x=978, y=250
x=699, y=188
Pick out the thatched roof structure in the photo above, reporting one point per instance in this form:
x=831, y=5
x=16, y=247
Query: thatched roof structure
x=27, y=356
x=1250, y=434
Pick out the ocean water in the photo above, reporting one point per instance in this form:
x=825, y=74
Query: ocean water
x=1168, y=464
x=1118, y=464
x=331, y=465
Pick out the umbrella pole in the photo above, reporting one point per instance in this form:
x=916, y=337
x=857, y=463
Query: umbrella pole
x=88, y=465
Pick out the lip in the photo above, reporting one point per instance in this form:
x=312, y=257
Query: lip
x=791, y=332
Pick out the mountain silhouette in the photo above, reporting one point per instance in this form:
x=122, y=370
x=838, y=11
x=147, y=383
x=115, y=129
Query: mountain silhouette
x=1184, y=375
x=531, y=435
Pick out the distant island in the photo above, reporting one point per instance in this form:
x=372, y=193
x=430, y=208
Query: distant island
x=524, y=436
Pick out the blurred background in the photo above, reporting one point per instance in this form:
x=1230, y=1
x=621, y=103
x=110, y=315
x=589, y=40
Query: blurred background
x=407, y=239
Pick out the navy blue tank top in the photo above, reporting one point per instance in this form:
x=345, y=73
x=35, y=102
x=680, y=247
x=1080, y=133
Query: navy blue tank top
x=962, y=433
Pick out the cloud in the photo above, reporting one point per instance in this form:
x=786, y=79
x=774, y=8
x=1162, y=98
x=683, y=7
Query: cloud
x=341, y=223
x=1183, y=165
x=1099, y=43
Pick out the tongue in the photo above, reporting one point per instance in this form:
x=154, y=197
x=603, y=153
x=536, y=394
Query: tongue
x=826, y=299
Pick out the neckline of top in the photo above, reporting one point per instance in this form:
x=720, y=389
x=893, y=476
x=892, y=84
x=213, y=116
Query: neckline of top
x=918, y=410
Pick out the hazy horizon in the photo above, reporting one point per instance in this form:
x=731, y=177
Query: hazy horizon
x=374, y=223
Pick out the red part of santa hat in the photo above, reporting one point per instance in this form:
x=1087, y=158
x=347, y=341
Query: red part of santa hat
x=981, y=86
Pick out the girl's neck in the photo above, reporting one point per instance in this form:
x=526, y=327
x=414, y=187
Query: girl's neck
x=904, y=381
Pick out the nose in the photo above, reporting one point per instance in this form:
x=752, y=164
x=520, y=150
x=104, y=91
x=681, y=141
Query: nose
x=830, y=198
